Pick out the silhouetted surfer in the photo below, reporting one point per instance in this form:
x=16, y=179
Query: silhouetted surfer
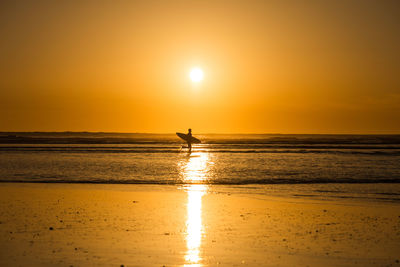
x=189, y=140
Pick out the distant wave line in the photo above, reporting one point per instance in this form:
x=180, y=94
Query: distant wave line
x=209, y=182
x=365, y=151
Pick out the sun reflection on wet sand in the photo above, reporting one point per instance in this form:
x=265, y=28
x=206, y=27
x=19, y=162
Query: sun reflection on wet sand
x=194, y=169
x=194, y=226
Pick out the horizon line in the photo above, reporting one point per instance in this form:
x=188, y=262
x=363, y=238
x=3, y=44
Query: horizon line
x=237, y=133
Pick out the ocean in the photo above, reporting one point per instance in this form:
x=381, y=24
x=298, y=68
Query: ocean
x=362, y=162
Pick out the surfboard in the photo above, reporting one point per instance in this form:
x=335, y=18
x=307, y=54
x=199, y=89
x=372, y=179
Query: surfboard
x=185, y=137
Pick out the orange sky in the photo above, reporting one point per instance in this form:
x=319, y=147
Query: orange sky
x=270, y=66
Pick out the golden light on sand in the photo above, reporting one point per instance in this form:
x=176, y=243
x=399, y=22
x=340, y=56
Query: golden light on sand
x=196, y=74
x=194, y=227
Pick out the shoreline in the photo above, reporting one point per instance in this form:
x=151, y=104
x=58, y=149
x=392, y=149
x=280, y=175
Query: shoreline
x=338, y=192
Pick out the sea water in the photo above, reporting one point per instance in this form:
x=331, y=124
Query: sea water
x=369, y=164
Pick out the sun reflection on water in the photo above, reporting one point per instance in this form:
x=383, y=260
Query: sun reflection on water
x=194, y=170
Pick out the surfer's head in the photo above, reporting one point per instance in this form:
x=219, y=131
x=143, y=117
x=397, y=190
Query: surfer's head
x=190, y=130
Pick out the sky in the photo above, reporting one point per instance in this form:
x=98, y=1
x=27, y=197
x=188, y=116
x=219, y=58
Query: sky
x=269, y=66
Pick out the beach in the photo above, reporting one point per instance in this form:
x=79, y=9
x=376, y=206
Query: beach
x=193, y=225
x=200, y=133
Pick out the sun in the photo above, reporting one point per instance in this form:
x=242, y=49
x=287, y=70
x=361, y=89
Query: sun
x=196, y=75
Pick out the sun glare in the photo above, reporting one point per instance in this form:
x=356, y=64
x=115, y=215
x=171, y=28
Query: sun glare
x=196, y=75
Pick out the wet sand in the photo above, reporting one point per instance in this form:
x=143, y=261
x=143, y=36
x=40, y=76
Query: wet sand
x=143, y=225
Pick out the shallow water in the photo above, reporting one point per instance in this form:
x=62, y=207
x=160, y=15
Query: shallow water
x=220, y=159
